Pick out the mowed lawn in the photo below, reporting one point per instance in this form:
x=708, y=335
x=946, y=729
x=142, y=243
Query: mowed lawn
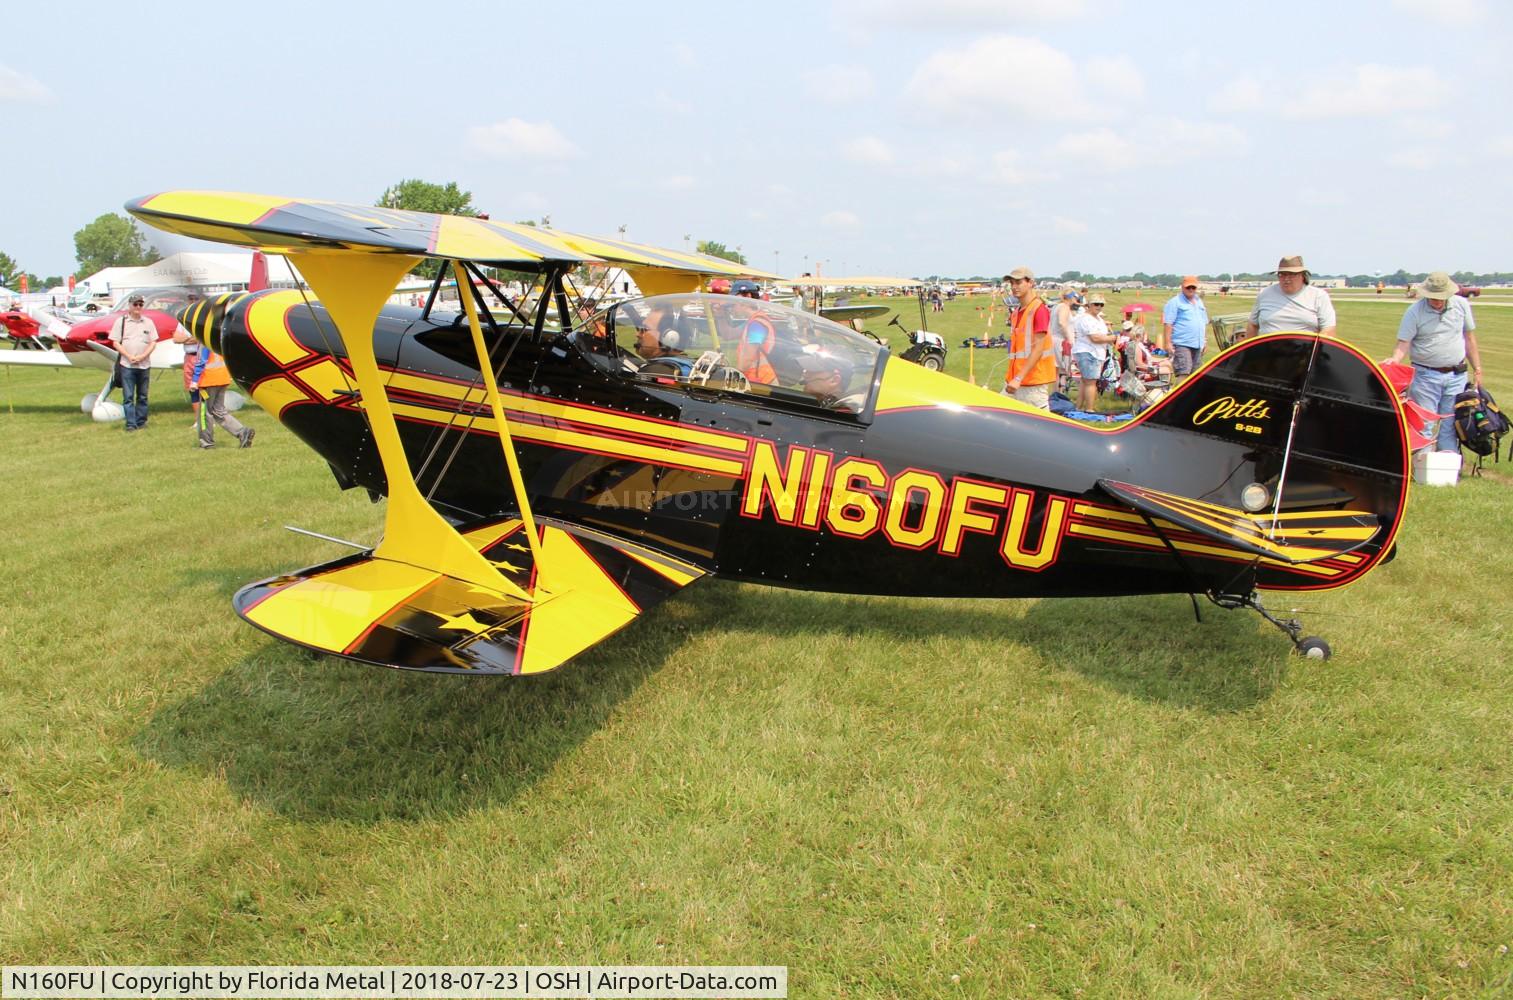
x=891, y=797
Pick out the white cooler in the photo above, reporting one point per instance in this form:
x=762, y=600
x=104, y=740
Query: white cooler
x=1436, y=468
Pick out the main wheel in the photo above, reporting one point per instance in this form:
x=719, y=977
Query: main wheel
x=1313, y=648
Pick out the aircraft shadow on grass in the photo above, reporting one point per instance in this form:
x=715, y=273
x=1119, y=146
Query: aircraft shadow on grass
x=316, y=738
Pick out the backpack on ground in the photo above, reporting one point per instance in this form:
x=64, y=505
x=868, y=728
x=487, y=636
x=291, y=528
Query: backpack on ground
x=1479, y=422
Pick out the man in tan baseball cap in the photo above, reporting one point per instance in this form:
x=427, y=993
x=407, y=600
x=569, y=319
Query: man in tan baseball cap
x=1292, y=304
x=1438, y=333
x=1032, y=366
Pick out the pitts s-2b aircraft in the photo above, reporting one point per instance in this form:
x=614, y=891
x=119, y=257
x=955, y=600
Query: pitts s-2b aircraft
x=552, y=473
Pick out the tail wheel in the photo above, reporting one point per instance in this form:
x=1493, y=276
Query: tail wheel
x=1313, y=648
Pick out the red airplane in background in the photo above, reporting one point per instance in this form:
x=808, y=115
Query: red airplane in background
x=87, y=344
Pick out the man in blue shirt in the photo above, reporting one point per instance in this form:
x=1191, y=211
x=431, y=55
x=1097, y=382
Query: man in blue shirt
x=1184, y=320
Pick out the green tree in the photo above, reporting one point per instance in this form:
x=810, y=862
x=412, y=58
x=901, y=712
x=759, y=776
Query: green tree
x=423, y=196
x=720, y=250
x=8, y=269
x=110, y=241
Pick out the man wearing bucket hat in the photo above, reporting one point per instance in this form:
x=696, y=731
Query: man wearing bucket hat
x=1292, y=303
x=1438, y=334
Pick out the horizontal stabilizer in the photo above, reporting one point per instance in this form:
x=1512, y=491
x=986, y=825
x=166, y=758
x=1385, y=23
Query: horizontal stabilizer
x=394, y=614
x=42, y=359
x=1289, y=536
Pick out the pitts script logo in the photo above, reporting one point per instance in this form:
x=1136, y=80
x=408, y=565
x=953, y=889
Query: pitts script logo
x=1229, y=408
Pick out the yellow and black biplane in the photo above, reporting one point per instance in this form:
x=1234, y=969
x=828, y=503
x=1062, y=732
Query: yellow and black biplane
x=552, y=471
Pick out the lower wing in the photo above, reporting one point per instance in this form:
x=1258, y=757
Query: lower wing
x=397, y=614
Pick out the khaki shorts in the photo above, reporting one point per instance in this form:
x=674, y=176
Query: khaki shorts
x=1038, y=396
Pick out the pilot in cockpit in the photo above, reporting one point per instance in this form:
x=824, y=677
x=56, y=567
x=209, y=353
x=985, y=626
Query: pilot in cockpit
x=658, y=341
x=828, y=379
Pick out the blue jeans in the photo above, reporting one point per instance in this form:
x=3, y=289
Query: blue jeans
x=134, y=396
x=1436, y=391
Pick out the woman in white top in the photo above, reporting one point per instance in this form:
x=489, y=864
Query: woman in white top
x=1091, y=337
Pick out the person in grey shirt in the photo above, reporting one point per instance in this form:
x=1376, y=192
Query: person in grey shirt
x=134, y=336
x=1292, y=303
x=1438, y=333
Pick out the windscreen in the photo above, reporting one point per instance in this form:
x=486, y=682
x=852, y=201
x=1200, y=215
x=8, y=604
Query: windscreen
x=736, y=344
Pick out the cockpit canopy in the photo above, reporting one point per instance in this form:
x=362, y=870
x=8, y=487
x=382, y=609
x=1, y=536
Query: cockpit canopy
x=738, y=345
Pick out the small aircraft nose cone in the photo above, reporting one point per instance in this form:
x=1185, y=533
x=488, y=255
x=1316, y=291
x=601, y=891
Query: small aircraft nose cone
x=107, y=412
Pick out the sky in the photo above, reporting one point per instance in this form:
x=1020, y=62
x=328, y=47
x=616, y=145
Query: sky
x=951, y=137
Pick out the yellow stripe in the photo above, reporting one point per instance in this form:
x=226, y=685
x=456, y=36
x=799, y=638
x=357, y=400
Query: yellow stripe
x=326, y=378
x=481, y=537
x=273, y=394
x=1089, y=510
x=1263, y=520
x=223, y=207
x=583, y=415
x=682, y=577
x=474, y=239
x=1349, y=534
x=265, y=322
x=332, y=610
x=1195, y=547
x=616, y=421
x=1232, y=523
x=584, y=442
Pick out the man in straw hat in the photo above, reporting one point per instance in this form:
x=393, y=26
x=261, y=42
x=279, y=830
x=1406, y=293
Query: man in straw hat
x=1438, y=333
x=1292, y=303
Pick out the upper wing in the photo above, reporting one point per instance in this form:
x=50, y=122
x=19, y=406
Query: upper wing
x=1290, y=536
x=284, y=225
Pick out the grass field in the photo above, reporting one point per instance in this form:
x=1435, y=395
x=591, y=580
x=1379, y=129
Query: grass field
x=891, y=797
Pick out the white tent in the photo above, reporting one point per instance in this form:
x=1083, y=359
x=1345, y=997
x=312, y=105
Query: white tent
x=210, y=271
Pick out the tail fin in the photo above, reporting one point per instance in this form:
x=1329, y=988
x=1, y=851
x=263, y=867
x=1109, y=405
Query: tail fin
x=259, y=278
x=1321, y=428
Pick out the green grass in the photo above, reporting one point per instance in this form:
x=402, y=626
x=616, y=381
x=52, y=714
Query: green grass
x=1042, y=798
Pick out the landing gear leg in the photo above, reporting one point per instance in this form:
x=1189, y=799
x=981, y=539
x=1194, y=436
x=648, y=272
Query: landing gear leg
x=1310, y=647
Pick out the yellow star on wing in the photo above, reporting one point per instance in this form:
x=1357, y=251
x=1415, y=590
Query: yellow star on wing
x=464, y=622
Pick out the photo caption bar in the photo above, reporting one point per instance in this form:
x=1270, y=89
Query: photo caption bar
x=337, y=982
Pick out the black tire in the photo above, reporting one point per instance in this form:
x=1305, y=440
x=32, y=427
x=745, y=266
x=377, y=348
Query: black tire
x=932, y=361
x=1313, y=648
